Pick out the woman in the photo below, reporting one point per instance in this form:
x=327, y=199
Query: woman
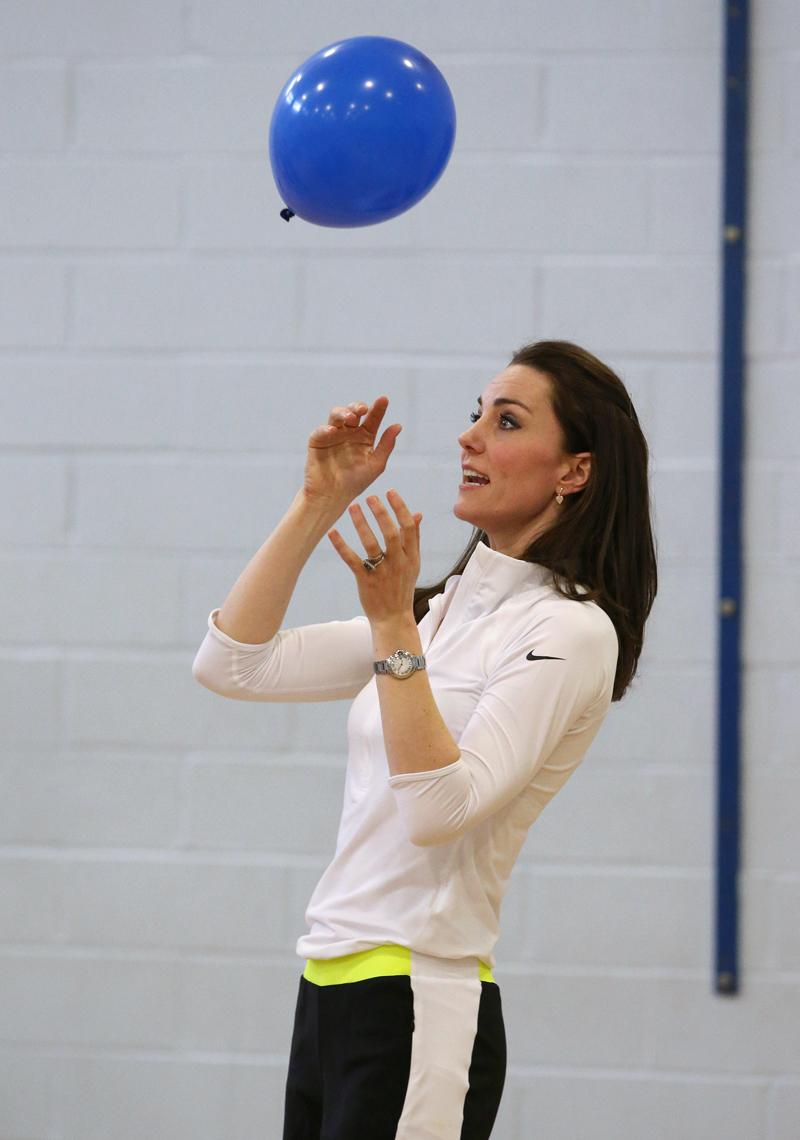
x=474, y=701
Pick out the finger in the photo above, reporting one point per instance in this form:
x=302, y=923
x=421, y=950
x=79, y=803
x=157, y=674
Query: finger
x=343, y=417
x=404, y=516
x=346, y=553
x=357, y=409
x=365, y=533
x=391, y=534
x=386, y=443
x=375, y=414
x=409, y=523
x=326, y=435
x=339, y=418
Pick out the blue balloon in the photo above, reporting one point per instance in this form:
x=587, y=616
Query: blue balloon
x=361, y=132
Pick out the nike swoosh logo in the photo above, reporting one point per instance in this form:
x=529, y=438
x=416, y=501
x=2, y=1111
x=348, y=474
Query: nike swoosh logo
x=539, y=657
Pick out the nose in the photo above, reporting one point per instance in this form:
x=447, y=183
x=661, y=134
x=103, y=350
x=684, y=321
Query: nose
x=468, y=438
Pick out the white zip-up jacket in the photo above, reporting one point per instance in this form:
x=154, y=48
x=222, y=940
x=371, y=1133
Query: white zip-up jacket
x=523, y=678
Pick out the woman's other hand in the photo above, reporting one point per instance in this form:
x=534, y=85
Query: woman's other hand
x=387, y=591
x=343, y=458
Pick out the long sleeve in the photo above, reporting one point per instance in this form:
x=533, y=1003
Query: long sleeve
x=327, y=661
x=534, y=721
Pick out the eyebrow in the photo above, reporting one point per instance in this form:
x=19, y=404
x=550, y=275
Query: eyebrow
x=505, y=400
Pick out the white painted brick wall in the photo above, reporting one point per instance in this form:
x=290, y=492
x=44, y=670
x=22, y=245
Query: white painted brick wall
x=166, y=345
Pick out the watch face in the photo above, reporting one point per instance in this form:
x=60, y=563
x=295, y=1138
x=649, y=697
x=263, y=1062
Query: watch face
x=401, y=664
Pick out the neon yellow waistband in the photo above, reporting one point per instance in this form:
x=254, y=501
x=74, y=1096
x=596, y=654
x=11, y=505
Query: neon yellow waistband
x=379, y=962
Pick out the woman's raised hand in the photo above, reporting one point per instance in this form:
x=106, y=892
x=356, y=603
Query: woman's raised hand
x=343, y=458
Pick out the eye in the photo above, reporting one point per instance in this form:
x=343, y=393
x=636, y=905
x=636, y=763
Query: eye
x=475, y=416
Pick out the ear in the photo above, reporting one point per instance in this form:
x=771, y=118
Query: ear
x=577, y=474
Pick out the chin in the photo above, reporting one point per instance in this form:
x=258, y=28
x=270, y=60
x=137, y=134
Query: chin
x=463, y=512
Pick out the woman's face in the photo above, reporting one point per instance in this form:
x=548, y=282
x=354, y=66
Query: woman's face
x=518, y=445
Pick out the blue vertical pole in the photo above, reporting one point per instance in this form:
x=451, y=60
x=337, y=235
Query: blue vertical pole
x=732, y=380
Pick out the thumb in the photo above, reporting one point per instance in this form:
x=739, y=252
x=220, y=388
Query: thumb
x=386, y=443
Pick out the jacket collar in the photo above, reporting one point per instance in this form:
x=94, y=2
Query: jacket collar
x=490, y=577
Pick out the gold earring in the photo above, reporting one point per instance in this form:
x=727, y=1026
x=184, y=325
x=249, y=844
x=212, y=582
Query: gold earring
x=559, y=497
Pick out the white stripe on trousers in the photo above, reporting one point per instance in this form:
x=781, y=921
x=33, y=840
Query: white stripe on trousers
x=447, y=993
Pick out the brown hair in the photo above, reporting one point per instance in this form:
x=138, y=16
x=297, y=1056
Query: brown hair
x=603, y=538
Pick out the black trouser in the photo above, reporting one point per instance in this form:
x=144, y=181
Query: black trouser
x=417, y=1057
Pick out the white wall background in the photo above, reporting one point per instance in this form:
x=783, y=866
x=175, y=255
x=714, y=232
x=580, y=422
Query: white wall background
x=167, y=343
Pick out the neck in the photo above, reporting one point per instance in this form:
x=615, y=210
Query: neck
x=515, y=545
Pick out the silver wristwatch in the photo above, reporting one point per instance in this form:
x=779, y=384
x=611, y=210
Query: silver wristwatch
x=400, y=664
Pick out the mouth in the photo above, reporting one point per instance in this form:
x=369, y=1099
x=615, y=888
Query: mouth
x=471, y=480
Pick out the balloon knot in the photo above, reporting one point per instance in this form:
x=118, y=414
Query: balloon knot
x=286, y=214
